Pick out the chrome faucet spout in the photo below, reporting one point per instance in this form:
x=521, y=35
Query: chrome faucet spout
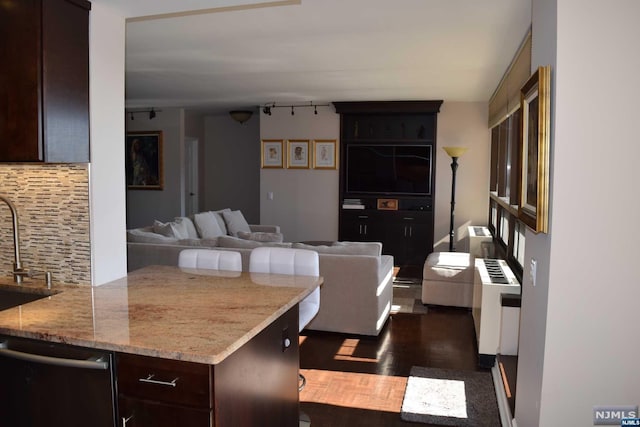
x=17, y=264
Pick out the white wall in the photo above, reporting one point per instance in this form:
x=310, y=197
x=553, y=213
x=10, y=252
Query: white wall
x=462, y=124
x=232, y=165
x=585, y=353
x=305, y=203
x=145, y=206
x=107, y=182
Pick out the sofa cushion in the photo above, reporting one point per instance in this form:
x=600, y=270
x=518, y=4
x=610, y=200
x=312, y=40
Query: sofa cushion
x=362, y=248
x=192, y=233
x=236, y=242
x=207, y=225
x=220, y=219
x=235, y=222
x=137, y=235
x=344, y=248
x=261, y=236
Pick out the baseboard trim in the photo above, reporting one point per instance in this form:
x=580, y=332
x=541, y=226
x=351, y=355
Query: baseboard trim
x=503, y=404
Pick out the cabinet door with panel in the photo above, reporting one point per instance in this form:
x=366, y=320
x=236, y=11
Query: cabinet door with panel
x=44, y=81
x=361, y=226
x=409, y=237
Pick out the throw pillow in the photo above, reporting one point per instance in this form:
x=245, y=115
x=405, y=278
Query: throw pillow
x=192, y=233
x=163, y=229
x=207, y=225
x=179, y=230
x=261, y=236
x=235, y=222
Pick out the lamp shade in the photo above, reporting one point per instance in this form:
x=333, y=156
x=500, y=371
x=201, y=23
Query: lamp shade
x=455, y=151
x=241, y=116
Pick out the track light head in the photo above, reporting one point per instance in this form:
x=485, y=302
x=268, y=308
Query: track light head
x=152, y=114
x=292, y=113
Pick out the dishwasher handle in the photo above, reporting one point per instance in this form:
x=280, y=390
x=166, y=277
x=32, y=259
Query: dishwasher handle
x=96, y=362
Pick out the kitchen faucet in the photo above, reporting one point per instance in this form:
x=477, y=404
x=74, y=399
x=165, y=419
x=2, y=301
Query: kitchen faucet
x=18, y=271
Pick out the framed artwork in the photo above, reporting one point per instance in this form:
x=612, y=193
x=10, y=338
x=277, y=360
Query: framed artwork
x=325, y=154
x=143, y=160
x=388, y=204
x=534, y=190
x=298, y=154
x=272, y=153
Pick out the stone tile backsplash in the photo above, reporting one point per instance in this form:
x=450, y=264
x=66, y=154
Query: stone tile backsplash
x=52, y=201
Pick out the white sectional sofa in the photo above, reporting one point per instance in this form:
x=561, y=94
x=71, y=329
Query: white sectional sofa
x=357, y=292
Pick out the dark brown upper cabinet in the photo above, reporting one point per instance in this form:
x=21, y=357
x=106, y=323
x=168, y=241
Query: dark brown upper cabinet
x=44, y=81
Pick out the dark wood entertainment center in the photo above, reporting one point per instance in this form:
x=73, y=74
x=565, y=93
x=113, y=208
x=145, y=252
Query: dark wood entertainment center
x=387, y=177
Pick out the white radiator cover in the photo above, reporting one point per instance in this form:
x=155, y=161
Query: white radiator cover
x=479, y=241
x=487, y=308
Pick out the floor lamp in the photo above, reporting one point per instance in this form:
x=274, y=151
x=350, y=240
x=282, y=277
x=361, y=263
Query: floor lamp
x=454, y=153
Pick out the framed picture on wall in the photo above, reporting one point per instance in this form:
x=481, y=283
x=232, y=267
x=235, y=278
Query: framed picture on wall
x=298, y=154
x=534, y=190
x=143, y=160
x=324, y=154
x=272, y=153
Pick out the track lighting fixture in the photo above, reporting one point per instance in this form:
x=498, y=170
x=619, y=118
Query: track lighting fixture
x=266, y=108
x=152, y=112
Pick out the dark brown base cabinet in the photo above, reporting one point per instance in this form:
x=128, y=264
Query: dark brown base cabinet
x=407, y=235
x=387, y=167
x=257, y=385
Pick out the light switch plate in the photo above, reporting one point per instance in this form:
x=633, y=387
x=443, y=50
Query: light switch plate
x=533, y=266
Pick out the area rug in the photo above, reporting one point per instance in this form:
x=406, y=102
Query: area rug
x=450, y=398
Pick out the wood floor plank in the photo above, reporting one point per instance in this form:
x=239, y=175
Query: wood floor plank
x=360, y=381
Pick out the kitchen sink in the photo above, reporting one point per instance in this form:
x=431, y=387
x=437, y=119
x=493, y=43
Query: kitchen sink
x=12, y=298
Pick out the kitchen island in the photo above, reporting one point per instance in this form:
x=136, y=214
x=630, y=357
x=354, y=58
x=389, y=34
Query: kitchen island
x=190, y=347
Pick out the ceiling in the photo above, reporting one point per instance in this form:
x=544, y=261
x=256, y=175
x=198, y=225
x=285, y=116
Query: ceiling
x=230, y=54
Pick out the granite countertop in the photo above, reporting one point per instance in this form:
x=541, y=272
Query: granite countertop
x=168, y=312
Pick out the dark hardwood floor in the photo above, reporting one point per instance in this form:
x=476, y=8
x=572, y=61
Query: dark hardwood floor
x=360, y=381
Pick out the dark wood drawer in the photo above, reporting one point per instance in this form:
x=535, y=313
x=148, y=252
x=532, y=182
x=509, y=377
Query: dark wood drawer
x=142, y=413
x=162, y=380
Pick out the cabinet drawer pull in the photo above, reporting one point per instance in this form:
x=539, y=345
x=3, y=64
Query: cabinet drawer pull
x=408, y=218
x=126, y=420
x=363, y=216
x=150, y=380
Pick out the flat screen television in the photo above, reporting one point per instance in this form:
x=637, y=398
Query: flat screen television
x=403, y=170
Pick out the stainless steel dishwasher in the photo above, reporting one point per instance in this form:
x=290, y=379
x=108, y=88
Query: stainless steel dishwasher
x=46, y=384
